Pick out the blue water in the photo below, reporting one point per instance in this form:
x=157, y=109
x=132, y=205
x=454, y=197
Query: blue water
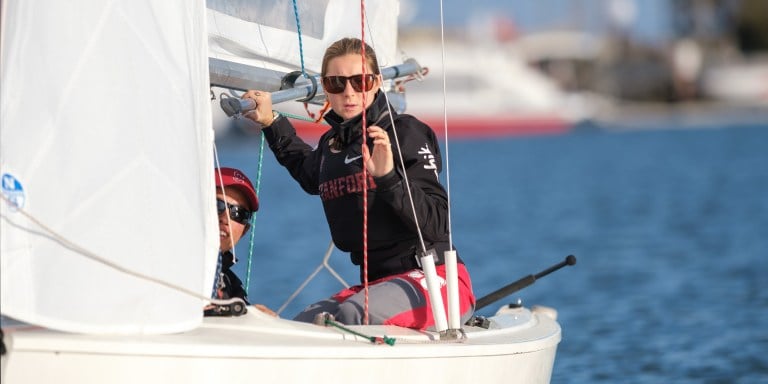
x=670, y=228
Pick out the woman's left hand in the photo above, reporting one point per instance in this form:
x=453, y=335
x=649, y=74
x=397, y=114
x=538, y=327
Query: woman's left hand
x=380, y=162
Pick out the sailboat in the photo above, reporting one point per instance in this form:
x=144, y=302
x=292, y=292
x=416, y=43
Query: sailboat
x=108, y=229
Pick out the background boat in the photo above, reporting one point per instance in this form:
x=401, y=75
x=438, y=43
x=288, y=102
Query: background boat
x=489, y=92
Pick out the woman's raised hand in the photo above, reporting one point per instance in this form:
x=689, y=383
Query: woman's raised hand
x=262, y=114
x=380, y=162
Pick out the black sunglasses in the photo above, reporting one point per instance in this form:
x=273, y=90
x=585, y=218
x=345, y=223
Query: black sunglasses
x=236, y=212
x=337, y=84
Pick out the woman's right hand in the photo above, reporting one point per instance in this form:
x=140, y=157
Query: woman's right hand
x=379, y=161
x=262, y=114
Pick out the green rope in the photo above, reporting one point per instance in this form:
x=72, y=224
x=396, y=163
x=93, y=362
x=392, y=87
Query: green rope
x=261, y=153
x=299, y=117
x=373, y=339
x=301, y=44
x=253, y=217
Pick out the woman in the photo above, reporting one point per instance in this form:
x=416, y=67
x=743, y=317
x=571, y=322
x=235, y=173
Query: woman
x=397, y=290
x=236, y=201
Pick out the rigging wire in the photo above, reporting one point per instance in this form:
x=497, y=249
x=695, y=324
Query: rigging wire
x=451, y=267
x=445, y=127
x=400, y=154
x=405, y=176
x=223, y=192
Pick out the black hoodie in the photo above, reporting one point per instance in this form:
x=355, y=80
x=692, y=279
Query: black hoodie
x=333, y=170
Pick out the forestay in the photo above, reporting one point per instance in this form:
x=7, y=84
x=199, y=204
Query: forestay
x=106, y=139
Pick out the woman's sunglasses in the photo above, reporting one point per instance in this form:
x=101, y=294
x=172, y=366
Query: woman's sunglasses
x=236, y=212
x=337, y=84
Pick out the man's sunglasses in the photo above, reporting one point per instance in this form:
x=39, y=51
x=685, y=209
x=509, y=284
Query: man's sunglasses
x=236, y=212
x=337, y=84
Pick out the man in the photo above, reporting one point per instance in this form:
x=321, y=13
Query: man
x=236, y=201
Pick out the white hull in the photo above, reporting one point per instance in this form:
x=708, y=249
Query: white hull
x=258, y=347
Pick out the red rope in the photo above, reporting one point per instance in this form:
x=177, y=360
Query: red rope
x=365, y=173
x=320, y=113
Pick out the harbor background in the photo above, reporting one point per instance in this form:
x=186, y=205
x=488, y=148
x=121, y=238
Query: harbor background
x=670, y=51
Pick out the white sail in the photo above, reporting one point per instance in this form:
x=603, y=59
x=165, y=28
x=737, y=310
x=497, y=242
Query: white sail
x=263, y=33
x=105, y=138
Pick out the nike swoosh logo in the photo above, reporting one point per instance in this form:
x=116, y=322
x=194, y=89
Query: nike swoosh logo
x=348, y=159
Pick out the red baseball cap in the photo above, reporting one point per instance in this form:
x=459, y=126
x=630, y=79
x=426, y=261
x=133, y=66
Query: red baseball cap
x=232, y=177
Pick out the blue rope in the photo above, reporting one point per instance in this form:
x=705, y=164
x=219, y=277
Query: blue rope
x=301, y=45
x=261, y=156
x=253, y=218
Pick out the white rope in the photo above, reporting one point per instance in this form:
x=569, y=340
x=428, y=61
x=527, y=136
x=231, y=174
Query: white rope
x=405, y=175
x=94, y=257
x=224, y=193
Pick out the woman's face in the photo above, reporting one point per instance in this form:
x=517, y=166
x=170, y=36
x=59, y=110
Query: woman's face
x=349, y=103
x=230, y=231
